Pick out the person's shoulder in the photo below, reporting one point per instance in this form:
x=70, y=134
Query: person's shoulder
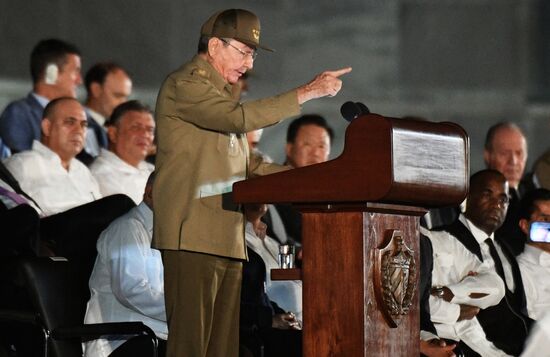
x=102, y=162
x=121, y=226
x=194, y=70
x=531, y=256
x=27, y=157
x=19, y=105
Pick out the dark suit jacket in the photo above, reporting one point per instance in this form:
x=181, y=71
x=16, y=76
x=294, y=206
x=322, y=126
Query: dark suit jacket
x=509, y=233
x=101, y=135
x=20, y=123
x=506, y=324
x=426, y=267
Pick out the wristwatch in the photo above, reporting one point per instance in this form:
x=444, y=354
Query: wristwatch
x=438, y=291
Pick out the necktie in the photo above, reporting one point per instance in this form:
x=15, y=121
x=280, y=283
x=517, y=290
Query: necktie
x=496, y=259
x=15, y=197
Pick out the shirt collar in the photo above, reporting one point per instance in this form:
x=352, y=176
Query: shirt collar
x=100, y=119
x=45, y=151
x=111, y=156
x=478, y=234
x=43, y=101
x=537, y=255
x=215, y=78
x=48, y=154
x=147, y=215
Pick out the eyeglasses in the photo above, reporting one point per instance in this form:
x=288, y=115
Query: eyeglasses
x=252, y=54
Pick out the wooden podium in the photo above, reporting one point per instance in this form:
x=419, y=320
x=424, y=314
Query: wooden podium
x=360, y=221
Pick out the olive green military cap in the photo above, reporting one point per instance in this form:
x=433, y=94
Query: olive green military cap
x=239, y=24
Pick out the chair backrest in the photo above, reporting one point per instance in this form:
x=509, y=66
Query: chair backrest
x=57, y=295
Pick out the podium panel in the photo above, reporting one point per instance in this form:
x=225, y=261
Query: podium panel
x=342, y=314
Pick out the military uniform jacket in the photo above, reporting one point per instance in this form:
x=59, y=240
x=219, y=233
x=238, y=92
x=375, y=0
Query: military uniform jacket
x=202, y=151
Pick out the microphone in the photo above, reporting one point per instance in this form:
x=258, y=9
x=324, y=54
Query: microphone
x=351, y=110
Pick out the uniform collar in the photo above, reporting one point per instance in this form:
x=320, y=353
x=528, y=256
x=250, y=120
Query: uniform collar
x=206, y=70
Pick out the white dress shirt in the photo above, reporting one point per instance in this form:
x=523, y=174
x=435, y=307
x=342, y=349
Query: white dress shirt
x=114, y=175
x=538, y=343
x=534, y=264
x=452, y=267
x=127, y=283
x=480, y=237
x=286, y=293
x=42, y=176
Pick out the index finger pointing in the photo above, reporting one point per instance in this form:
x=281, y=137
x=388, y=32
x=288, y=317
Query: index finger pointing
x=339, y=72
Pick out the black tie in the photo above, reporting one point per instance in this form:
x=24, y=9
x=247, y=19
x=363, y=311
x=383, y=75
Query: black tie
x=496, y=259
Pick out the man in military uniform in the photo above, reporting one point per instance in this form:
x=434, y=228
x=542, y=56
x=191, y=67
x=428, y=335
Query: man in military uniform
x=202, y=152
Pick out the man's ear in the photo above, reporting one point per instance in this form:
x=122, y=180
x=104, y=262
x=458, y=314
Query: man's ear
x=112, y=133
x=524, y=226
x=46, y=126
x=95, y=89
x=288, y=149
x=214, y=44
x=486, y=157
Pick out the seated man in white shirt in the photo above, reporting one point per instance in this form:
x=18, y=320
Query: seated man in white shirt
x=462, y=285
x=506, y=324
x=66, y=194
x=49, y=172
x=534, y=262
x=127, y=283
x=122, y=168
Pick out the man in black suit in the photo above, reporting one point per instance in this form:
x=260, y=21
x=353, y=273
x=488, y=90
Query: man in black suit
x=505, y=324
x=308, y=141
x=506, y=151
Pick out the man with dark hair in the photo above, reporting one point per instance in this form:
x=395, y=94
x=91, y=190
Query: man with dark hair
x=108, y=85
x=534, y=262
x=308, y=142
x=506, y=151
x=202, y=152
x=55, y=72
x=505, y=324
x=122, y=168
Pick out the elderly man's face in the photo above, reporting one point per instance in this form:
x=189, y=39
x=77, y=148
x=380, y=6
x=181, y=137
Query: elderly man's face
x=508, y=155
x=311, y=146
x=231, y=59
x=133, y=136
x=487, y=203
x=65, y=130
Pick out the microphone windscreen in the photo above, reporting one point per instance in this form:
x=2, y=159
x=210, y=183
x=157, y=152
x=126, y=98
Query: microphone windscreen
x=349, y=110
x=363, y=108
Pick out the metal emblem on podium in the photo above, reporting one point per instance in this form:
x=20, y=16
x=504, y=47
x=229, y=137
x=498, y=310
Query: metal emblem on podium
x=394, y=278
